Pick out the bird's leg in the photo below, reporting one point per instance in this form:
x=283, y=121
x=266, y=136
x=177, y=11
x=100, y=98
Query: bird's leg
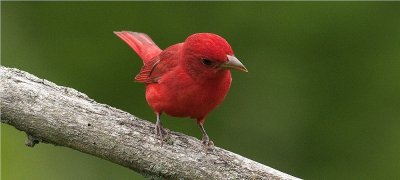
x=205, y=140
x=159, y=130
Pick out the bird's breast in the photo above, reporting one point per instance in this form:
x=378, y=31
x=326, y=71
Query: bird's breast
x=182, y=96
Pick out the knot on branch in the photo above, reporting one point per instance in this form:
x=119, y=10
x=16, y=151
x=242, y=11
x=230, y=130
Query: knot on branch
x=31, y=141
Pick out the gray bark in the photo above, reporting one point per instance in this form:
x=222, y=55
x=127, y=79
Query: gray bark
x=65, y=117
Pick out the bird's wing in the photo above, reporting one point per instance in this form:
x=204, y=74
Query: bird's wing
x=153, y=70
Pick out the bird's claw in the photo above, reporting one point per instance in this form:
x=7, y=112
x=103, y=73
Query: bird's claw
x=161, y=133
x=207, y=142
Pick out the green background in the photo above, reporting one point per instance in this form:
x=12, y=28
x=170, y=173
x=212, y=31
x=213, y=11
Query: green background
x=321, y=99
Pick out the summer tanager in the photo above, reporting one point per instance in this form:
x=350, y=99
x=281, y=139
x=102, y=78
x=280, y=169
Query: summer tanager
x=187, y=79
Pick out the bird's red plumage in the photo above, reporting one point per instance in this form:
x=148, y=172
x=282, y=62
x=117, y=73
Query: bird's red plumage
x=186, y=79
x=141, y=43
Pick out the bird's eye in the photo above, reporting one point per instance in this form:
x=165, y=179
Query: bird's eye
x=207, y=62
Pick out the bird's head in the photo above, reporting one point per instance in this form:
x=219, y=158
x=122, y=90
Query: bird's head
x=207, y=55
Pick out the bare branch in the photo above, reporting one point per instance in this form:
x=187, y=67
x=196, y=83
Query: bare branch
x=65, y=117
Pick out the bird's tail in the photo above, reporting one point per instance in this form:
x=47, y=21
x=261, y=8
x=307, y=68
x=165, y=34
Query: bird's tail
x=141, y=43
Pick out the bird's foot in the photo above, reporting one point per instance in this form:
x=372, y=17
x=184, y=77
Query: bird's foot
x=207, y=142
x=161, y=133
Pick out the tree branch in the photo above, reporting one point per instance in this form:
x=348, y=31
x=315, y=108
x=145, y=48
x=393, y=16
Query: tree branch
x=65, y=117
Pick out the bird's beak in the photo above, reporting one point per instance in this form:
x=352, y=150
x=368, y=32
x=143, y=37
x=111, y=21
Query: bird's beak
x=234, y=63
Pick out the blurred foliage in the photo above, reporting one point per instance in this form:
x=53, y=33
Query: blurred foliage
x=321, y=99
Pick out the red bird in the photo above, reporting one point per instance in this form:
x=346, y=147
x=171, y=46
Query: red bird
x=187, y=79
